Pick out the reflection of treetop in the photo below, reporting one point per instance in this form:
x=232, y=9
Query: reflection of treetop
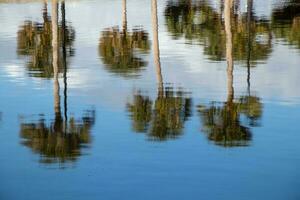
x=286, y=22
x=118, y=50
x=34, y=40
x=164, y=119
x=223, y=124
x=199, y=21
x=56, y=142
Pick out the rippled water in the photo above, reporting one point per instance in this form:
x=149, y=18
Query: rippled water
x=143, y=99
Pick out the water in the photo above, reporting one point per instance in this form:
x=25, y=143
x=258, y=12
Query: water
x=149, y=99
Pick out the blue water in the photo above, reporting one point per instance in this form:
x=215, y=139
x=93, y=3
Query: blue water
x=121, y=133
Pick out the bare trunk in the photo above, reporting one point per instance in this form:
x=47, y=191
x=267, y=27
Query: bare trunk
x=227, y=18
x=64, y=57
x=156, y=44
x=249, y=18
x=54, y=24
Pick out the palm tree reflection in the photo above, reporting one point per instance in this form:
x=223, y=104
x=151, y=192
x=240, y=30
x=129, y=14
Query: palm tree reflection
x=34, y=41
x=55, y=142
x=61, y=140
x=121, y=50
x=286, y=22
x=222, y=123
x=198, y=21
x=162, y=119
x=165, y=117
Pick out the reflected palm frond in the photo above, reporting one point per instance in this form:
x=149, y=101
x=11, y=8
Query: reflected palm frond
x=34, y=41
x=200, y=22
x=58, y=141
x=118, y=50
x=162, y=118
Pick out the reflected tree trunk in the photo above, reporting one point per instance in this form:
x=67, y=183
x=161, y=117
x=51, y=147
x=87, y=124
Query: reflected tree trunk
x=124, y=16
x=156, y=52
x=229, y=56
x=249, y=18
x=54, y=24
x=64, y=54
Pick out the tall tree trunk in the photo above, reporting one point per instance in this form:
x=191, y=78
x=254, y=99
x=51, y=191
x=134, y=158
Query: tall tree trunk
x=249, y=18
x=64, y=54
x=54, y=24
x=156, y=45
x=229, y=56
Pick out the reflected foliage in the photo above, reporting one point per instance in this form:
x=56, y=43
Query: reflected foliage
x=34, y=40
x=223, y=123
x=58, y=141
x=252, y=108
x=119, y=50
x=199, y=21
x=286, y=22
x=162, y=118
x=140, y=112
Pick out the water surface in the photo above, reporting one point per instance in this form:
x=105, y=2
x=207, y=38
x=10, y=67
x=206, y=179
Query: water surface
x=157, y=99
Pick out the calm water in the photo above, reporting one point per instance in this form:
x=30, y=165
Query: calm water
x=150, y=99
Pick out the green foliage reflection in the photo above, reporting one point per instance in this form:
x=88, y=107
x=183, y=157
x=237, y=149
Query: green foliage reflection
x=34, y=40
x=59, y=141
x=198, y=21
x=223, y=123
x=162, y=119
x=286, y=22
x=118, y=50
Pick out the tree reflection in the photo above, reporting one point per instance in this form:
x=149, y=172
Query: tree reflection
x=119, y=49
x=34, y=40
x=60, y=140
x=286, y=22
x=222, y=123
x=164, y=117
x=198, y=21
x=140, y=112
